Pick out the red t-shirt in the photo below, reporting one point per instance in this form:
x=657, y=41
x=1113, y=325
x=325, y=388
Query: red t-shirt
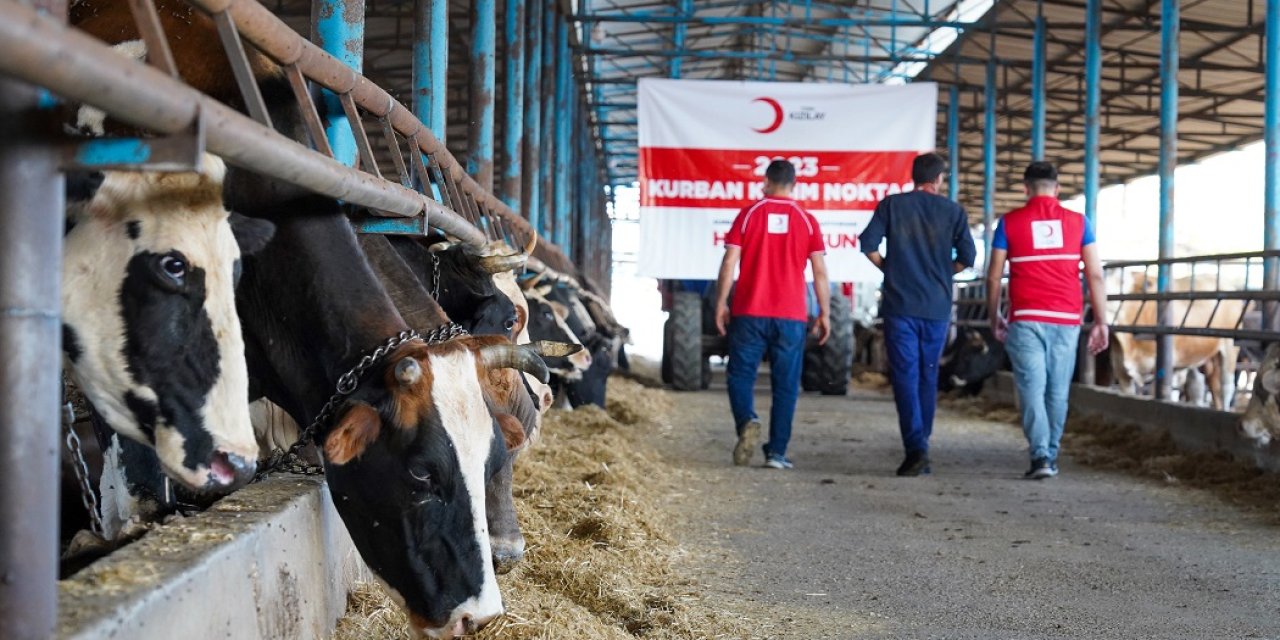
x=776, y=237
x=1045, y=242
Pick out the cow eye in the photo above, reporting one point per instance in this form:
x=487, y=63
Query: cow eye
x=174, y=266
x=509, y=324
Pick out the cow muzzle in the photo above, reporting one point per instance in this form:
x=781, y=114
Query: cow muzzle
x=507, y=552
x=465, y=625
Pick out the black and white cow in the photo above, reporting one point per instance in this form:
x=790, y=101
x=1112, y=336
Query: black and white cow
x=974, y=356
x=150, y=327
x=1261, y=420
x=548, y=321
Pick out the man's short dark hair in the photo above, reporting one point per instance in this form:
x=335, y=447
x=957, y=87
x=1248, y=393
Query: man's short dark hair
x=780, y=172
x=1040, y=172
x=926, y=168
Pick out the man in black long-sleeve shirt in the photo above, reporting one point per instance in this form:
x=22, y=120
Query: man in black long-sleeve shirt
x=927, y=242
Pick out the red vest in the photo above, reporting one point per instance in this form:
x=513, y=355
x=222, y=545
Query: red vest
x=1044, y=243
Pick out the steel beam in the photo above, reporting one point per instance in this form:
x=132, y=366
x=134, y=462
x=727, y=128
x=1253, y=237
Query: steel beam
x=546, y=163
x=337, y=26
x=1037, y=86
x=1271, y=193
x=513, y=99
x=31, y=226
x=564, y=127
x=678, y=34
x=533, y=117
x=1092, y=107
x=483, y=80
x=989, y=162
x=953, y=143
x=1169, y=12
x=430, y=64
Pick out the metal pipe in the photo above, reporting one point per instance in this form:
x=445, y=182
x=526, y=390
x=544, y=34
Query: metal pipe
x=1169, y=10
x=1271, y=193
x=1092, y=107
x=953, y=143
x=989, y=162
x=31, y=226
x=678, y=35
x=564, y=124
x=1037, y=85
x=483, y=79
x=546, y=213
x=430, y=64
x=337, y=26
x=533, y=118
x=741, y=20
x=513, y=103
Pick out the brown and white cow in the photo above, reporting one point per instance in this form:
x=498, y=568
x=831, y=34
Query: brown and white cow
x=1133, y=357
x=150, y=329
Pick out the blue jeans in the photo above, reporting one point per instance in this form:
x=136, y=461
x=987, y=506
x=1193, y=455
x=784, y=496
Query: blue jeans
x=913, y=346
x=1044, y=358
x=749, y=339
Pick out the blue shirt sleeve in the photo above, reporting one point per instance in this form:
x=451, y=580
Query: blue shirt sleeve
x=869, y=240
x=962, y=240
x=1000, y=240
x=1088, y=234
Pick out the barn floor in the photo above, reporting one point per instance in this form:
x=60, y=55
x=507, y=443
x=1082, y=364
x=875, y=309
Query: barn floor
x=841, y=548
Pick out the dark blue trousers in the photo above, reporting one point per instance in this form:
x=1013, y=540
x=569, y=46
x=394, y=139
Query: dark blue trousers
x=749, y=339
x=914, y=346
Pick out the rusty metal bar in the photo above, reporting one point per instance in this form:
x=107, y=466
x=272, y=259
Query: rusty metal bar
x=148, y=22
x=397, y=157
x=249, y=91
x=31, y=219
x=361, y=136
x=310, y=117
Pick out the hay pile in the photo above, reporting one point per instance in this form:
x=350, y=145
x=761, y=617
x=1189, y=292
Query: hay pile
x=599, y=560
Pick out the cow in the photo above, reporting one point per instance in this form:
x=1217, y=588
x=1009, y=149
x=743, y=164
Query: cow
x=1261, y=420
x=461, y=279
x=548, y=321
x=150, y=331
x=409, y=450
x=1133, y=357
x=973, y=356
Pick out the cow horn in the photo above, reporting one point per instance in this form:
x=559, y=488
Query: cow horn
x=511, y=356
x=531, y=244
x=408, y=371
x=549, y=349
x=499, y=264
x=530, y=283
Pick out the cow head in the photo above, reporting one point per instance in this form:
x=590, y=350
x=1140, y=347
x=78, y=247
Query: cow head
x=977, y=357
x=548, y=320
x=149, y=319
x=1261, y=420
x=468, y=293
x=408, y=462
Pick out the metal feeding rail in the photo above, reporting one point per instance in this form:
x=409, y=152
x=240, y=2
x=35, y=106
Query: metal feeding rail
x=43, y=51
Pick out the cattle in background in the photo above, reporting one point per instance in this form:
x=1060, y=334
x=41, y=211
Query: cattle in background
x=548, y=321
x=1133, y=357
x=150, y=328
x=973, y=356
x=1261, y=420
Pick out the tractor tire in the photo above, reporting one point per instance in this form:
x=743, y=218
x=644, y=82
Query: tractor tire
x=828, y=367
x=666, y=352
x=685, y=341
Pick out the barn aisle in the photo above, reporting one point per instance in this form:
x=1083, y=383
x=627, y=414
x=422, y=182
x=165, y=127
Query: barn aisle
x=841, y=548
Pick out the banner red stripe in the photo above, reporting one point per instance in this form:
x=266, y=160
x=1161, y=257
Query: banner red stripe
x=730, y=179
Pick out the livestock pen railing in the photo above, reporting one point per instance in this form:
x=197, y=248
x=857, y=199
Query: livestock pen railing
x=429, y=189
x=1208, y=296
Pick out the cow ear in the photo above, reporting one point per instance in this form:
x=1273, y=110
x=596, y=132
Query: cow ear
x=512, y=430
x=354, y=433
x=1271, y=381
x=252, y=234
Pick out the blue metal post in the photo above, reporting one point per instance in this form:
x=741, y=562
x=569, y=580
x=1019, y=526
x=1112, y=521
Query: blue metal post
x=338, y=28
x=546, y=163
x=1092, y=106
x=563, y=126
x=1271, y=196
x=483, y=79
x=953, y=143
x=1169, y=11
x=989, y=160
x=513, y=99
x=1037, y=86
x=430, y=61
x=533, y=117
x=686, y=10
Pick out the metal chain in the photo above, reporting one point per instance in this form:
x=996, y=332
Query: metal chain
x=87, y=496
x=435, y=276
x=290, y=460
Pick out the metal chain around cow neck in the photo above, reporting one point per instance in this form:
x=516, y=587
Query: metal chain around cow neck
x=435, y=276
x=290, y=460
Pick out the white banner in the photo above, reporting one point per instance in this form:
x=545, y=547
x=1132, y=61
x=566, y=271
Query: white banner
x=704, y=145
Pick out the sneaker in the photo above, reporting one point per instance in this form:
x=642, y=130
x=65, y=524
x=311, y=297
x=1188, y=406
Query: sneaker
x=1041, y=468
x=747, y=440
x=916, y=463
x=778, y=462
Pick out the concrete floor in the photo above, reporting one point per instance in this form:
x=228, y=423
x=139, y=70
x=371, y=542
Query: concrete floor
x=841, y=548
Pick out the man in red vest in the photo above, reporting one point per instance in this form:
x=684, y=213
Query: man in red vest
x=1044, y=245
x=773, y=239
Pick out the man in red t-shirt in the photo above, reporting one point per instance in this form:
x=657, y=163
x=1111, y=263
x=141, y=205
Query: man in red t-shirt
x=1045, y=244
x=773, y=239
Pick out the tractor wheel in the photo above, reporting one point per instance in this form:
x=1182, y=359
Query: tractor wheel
x=827, y=368
x=685, y=341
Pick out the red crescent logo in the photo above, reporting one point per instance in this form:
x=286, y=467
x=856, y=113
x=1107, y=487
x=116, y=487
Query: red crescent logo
x=777, y=115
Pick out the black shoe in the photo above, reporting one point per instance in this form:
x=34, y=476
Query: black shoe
x=1041, y=468
x=916, y=463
